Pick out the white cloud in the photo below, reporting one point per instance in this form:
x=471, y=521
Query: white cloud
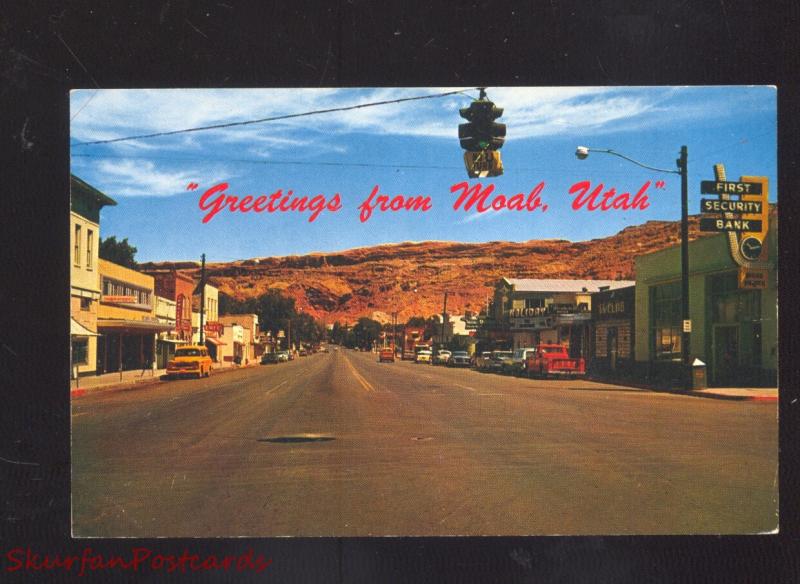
x=477, y=216
x=126, y=177
x=528, y=112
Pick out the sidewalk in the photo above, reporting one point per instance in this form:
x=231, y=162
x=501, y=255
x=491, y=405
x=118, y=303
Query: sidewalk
x=130, y=379
x=764, y=394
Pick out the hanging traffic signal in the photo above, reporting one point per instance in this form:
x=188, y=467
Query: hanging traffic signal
x=481, y=137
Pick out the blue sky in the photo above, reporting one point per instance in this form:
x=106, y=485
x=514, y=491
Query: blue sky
x=351, y=152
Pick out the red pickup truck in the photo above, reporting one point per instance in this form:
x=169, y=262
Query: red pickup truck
x=553, y=360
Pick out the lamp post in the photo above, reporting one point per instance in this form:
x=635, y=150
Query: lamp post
x=582, y=152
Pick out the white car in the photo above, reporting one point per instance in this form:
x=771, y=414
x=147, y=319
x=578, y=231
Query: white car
x=441, y=357
x=423, y=357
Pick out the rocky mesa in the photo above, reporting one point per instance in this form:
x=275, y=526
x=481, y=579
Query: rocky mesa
x=412, y=277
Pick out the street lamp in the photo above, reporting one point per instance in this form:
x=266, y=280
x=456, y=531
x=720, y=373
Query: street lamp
x=582, y=152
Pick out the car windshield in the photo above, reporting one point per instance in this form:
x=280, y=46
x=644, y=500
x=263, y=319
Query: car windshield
x=187, y=353
x=503, y=354
x=552, y=350
x=460, y=354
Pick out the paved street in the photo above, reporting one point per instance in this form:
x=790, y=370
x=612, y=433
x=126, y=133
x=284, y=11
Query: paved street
x=339, y=445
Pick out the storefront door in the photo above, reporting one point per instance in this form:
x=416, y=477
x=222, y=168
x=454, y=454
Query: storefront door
x=612, y=347
x=725, y=344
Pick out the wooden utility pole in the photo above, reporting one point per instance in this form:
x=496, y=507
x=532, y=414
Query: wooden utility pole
x=202, y=294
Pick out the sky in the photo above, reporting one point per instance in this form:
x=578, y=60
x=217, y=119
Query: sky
x=408, y=148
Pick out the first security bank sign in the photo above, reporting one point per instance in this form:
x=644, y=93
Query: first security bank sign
x=742, y=210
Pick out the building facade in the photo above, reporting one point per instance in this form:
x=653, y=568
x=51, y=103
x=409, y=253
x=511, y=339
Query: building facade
x=166, y=340
x=614, y=330
x=529, y=312
x=179, y=288
x=254, y=344
x=85, y=205
x=126, y=318
x=734, y=329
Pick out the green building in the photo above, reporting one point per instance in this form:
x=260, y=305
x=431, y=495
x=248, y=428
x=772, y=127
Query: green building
x=734, y=330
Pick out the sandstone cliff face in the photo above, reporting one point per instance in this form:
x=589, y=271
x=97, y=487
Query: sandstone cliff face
x=411, y=278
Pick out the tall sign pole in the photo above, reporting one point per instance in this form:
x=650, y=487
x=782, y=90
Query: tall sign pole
x=202, y=295
x=686, y=328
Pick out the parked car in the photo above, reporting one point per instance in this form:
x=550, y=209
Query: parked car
x=191, y=360
x=303, y=353
x=516, y=365
x=441, y=357
x=268, y=358
x=496, y=360
x=482, y=360
x=423, y=357
x=284, y=356
x=459, y=359
x=554, y=361
x=409, y=356
x=387, y=355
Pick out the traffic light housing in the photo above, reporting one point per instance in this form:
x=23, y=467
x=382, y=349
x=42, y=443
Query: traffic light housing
x=481, y=137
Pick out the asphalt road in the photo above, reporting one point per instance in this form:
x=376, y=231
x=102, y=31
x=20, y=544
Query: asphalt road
x=339, y=445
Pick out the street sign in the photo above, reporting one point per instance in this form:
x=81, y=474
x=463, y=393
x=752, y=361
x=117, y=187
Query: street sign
x=472, y=324
x=728, y=206
x=736, y=225
x=713, y=187
x=750, y=279
x=483, y=163
x=120, y=299
x=687, y=326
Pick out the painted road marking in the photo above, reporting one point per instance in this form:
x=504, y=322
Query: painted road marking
x=277, y=386
x=364, y=383
x=470, y=388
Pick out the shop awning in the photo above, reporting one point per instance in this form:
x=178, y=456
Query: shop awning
x=136, y=326
x=174, y=341
x=214, y=341
x=76, y=329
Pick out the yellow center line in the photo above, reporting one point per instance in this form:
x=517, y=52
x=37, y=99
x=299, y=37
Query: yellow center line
x=364, y=383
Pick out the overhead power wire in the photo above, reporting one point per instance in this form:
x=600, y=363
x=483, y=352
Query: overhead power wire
x=270, y=119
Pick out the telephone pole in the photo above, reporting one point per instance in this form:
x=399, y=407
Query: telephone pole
x=202, y=294
x=444, y=317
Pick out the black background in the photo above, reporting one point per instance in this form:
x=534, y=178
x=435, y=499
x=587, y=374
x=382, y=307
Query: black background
x=48, y=48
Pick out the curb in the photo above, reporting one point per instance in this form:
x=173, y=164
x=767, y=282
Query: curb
x=702, y=394
x=752, y=398
x=129, y=386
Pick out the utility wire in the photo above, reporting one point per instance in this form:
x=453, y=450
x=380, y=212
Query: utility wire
x=272, y=162
x=322, y=163
x=270, y=119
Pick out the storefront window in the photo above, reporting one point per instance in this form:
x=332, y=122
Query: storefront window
x=665, y=302
x=80, y=351
x=731, y=305
x=534, y=303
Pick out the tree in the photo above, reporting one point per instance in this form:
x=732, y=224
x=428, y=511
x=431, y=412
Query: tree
x=367, y=332
x=416, y=322
x=275, y=312
x=119, y=252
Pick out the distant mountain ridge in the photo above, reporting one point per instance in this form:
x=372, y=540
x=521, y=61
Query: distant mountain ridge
x=412, y=277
